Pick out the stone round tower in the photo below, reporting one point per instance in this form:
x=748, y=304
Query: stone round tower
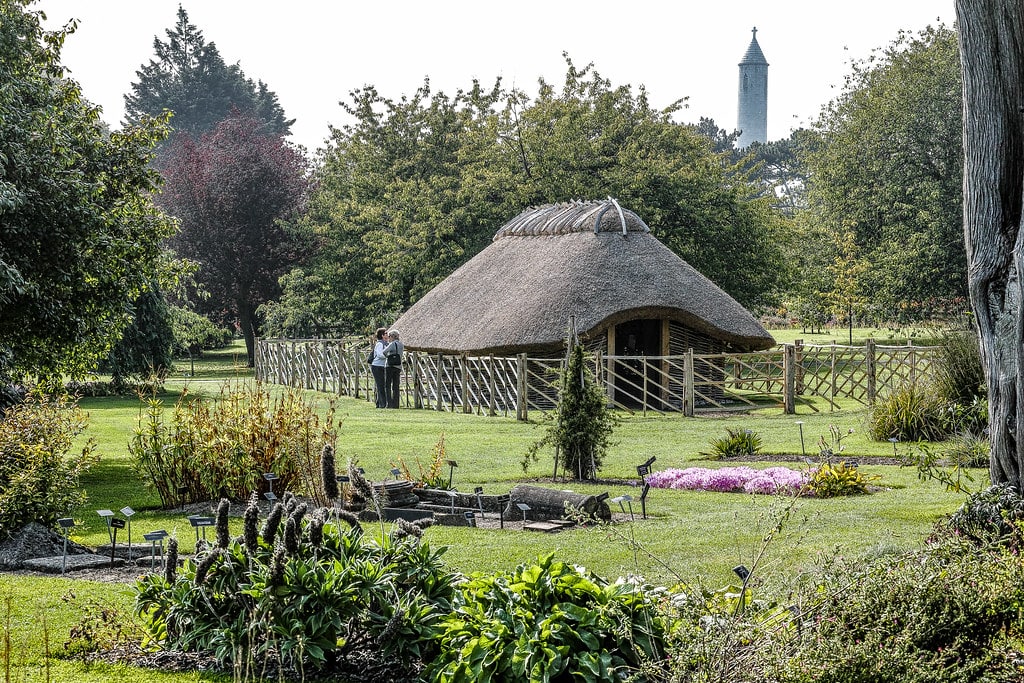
x=752, y=119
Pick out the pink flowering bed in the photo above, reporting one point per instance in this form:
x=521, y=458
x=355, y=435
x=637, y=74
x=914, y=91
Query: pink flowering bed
x=730, y=479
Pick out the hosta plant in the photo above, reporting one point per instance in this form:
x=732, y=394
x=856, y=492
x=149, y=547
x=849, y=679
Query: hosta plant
x=549, y=621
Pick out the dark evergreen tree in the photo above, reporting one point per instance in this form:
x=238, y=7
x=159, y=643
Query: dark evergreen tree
x=189, y=78
x=145, y=349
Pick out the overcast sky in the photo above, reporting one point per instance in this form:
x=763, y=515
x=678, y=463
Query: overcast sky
x=313, y=53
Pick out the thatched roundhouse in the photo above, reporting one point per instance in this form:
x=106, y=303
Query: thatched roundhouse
x=627, y=293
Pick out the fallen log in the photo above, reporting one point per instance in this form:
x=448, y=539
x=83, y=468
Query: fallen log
x=551, y=503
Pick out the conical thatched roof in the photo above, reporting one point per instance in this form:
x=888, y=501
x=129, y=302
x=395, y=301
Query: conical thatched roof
x=549, y=263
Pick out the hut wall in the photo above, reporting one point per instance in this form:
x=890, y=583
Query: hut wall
x=680, y=340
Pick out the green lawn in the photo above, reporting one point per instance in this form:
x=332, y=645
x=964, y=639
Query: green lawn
x=696, y=537
x=888, y=336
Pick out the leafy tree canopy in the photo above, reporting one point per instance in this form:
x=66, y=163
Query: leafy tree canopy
x=231, y=189
x=79, y=235
x=189, y=78
x=415, y=187
x=888, y=168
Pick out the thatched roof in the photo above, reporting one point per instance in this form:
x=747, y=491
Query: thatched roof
x=550, y=263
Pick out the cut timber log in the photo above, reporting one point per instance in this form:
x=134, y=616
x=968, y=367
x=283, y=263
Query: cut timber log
x=551, y=503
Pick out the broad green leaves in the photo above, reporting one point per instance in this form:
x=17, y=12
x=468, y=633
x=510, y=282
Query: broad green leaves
x=79, y=236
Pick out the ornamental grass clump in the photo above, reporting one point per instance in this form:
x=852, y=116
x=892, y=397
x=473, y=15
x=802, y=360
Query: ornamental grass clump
x=736, y=443
x=771, y=480
x=213, y=448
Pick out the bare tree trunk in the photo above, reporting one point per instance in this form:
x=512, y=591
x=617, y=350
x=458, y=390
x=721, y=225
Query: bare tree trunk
x=992, y=56
x=247, y=321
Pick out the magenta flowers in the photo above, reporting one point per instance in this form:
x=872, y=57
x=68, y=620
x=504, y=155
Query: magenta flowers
x=730, y=479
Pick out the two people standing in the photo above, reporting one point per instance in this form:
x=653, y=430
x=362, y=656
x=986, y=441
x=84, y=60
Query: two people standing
x=386, y=366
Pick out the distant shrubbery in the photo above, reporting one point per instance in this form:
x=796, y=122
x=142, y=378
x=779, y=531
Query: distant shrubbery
x=194, y=333
x=953, y=408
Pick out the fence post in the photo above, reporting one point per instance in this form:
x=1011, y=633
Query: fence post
x=522, y=413
x=357, y=367
x=688, y=389
x=440, y=383
x=643, y=359
x=799, y=345
x=417, y=381
x=869, y=362
x=339, y=383
x=789, y=370
x=492, y=405
x=832, y=378
x=913, y=363
x=466, y=408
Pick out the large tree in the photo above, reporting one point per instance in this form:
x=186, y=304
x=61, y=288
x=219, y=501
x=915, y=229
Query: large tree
x=189, y=78
x=888, y=167
x=415, y=187
x=79, y=234
x=992, y=55
x=590, y=139
x=406, y=192
x=232, y=190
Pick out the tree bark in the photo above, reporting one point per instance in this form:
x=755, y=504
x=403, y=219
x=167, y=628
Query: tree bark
x=550, y=503
x=247, y=321
x=992, y=57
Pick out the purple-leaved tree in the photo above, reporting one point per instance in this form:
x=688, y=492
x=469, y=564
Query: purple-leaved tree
x=232, y=189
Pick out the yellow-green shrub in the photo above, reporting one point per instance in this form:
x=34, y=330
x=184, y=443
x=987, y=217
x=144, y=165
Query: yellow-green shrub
x=39, y=479
x=221, y=448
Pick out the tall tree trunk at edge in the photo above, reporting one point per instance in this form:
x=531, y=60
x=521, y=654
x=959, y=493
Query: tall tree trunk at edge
x=247, y=321
x=992, y=55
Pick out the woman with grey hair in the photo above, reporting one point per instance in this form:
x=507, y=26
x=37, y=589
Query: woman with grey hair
x=394, y=353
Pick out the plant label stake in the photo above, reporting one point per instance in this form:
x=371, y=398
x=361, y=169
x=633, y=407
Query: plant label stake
x=200, y=522
x=643, y=498
x=65, y=525
x=502, y=502
x=451, y=471
x=155, y=537
x=524, y=508
x=479, y=491
x=115, y=524
x=128, y=512
x=107, y=515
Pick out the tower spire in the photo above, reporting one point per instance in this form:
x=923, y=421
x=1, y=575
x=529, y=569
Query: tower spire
x=752, y=119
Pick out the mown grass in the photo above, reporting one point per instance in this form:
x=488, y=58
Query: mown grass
x=690, y=536
x=887, y=336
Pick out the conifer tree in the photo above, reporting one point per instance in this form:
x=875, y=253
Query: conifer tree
x=188, y=77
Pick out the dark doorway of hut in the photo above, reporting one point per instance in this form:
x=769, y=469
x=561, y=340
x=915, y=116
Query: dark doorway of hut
x=636, y=382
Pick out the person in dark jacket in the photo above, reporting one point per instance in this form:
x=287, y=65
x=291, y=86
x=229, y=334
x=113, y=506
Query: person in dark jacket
x=393, y=353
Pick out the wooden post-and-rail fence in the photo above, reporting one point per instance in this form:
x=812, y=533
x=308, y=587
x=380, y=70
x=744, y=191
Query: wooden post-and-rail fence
x=691, y=384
